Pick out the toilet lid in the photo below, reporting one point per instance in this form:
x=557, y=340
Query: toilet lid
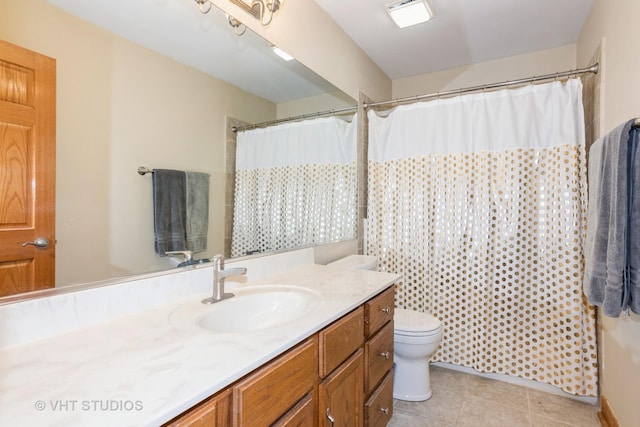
x=414, y=321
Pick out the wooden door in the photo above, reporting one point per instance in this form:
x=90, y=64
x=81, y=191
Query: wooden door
x=341, y=394
x=27, y=169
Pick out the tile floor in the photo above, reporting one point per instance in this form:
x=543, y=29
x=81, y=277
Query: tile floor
x=461, y=399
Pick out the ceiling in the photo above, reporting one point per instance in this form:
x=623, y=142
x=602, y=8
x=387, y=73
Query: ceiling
x=177, y=29
x=462, y=32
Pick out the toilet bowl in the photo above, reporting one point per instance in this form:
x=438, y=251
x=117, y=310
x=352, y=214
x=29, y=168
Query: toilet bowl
x=416, y=338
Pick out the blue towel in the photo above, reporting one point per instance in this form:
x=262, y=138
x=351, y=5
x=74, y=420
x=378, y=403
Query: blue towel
x=605, y=282
x=169, y=210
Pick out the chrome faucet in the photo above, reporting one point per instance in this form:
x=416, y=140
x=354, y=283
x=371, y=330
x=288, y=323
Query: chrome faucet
x=219, y=274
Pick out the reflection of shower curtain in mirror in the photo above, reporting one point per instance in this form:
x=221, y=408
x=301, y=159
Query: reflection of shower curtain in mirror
x=479, y=202
x=295, y=185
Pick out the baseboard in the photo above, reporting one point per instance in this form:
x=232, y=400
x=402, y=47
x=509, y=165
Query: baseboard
x=606, y=416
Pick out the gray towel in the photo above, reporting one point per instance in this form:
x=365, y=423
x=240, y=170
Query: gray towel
x=605, y=252
x=633, y=254
x=169, y=210
x=197, y=201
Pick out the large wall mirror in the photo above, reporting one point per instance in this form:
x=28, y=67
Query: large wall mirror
x=148, y=83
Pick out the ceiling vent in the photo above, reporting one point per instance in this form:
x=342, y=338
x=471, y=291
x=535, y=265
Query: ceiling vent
x=406, y=13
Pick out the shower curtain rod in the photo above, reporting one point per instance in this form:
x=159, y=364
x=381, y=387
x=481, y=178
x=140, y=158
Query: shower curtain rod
x=593, y=69
x=335, y=112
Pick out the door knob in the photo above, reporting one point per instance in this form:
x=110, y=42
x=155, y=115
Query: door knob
x=40, y=243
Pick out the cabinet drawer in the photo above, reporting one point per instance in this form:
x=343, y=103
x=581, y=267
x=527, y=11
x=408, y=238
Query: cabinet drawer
x=267, y=395
x=340, y=339
x=378, y=353
x=378, y=311
x=215, y=411
x=379, y=408
x=300, y=415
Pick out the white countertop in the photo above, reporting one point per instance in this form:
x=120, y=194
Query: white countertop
x=142, y=370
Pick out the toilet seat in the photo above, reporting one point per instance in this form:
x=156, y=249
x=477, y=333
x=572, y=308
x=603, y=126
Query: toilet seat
x=416, y=324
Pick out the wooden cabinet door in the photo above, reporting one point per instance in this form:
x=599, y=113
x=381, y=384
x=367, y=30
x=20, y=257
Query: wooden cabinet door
x=341, y=394
x=27, y=169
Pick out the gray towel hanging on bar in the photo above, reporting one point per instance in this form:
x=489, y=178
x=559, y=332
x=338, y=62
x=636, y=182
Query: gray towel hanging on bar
x=197, y=219
x=613, y=224
x=169, y=210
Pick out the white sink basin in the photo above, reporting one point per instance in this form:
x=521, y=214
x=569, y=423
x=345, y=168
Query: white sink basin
x=252, y=308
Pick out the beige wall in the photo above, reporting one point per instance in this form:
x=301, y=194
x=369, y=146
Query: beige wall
x=305, y=31
x=120, y=106
x=515, y=67
x=614, y=25
x=314, y=104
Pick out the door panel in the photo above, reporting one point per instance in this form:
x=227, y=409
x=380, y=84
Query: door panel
x=27, y=169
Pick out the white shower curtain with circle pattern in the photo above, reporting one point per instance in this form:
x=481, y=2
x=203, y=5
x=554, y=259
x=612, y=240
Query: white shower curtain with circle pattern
x=479, y=201
x=295, y=185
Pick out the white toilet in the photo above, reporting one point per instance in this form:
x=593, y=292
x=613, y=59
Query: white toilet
x=416, y=337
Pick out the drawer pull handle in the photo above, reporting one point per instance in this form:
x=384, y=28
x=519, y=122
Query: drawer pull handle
x=329, y=417
x=385, y=354
x=384, y=411
x=386, y=310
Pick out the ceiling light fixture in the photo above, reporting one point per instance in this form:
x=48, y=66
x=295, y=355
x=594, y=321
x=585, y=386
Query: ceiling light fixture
x=238, y=27
x=406, y=13
x=205, y=5
x=262, y=10
x=281, y=53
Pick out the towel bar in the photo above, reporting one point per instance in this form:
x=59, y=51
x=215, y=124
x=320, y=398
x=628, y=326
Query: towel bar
x=142, y=170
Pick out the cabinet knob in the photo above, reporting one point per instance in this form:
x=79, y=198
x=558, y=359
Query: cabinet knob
x=384, y=411
x=386, y=310
x=385, y=354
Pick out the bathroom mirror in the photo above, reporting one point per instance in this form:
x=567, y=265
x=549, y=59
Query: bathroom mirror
x=147, y=83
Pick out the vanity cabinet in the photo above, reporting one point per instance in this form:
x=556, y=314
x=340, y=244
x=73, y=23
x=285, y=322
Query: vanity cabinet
x=341, y=376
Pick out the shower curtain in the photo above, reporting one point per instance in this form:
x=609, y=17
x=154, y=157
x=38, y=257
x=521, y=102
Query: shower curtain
x=479, y=202
x=295, y=185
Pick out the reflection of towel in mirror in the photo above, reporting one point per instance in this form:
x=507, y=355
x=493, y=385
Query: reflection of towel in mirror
x=169, y=210
x=197, y=203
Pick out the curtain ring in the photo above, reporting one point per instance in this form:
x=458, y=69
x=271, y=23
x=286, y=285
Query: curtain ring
x=556, y=79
